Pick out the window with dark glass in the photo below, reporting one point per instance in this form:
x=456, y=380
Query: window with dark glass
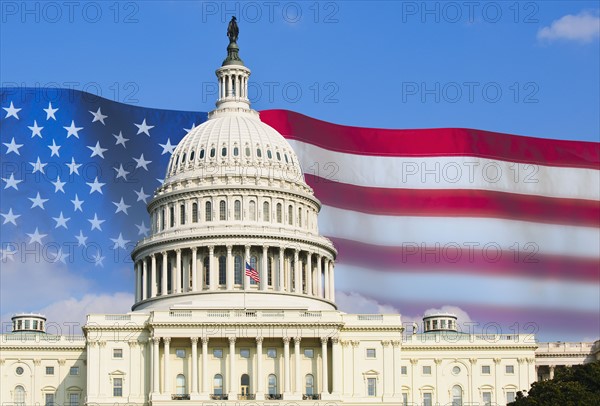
x=208, y=211
x=222, y=270
x=237, y=210
x=222, y=210
x=194, y=212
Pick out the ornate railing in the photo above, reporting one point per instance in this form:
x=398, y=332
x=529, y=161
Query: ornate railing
x=249, y=396
x=314, y=396
x=273, y=396
x=181, y=396
x=215, y=396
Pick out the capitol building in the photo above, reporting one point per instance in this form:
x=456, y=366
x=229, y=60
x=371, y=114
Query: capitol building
x=235, y=302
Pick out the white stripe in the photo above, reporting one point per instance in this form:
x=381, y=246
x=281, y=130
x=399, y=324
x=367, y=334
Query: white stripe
x=459, y=172
x=457, y=289
x=509, y=235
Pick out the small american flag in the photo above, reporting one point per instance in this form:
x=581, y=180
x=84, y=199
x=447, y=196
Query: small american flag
x=251, y=272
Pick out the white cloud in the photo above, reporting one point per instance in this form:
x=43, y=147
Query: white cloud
x=356, y=303
x=583, y=27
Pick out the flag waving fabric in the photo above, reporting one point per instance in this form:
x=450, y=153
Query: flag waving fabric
x=506, y=227
x=251, y=273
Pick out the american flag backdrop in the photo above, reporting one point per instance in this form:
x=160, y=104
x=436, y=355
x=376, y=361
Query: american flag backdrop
x=506, y=227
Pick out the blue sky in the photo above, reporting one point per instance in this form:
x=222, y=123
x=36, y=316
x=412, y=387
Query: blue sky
x=526, y=68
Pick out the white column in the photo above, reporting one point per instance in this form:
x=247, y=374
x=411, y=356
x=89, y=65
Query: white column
x=336, y=366
x=178, y=271
x=331, y=282
x=232, y=381
x=205, y=365
x=213, y=271
x=246, y=260
x=325, y=381
x=155, y=365
x=286, y=365
x=194, y=374
x=194, y=269
x=260, y=379
x=326, y=279
x=297, y=361
x=229, y=269
x=163, y=288
x=297, y=277
x=263, y=270
x=153, y=288
x=309, y=274
x=138, y=281
x=397, y=363
x=166, y=371
x=552, y=367
x=319, y=279
x=185, y=272
x=388, y=373
x=144, y=279
x=281, y=276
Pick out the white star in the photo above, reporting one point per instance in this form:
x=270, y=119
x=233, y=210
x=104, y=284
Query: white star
x=61, y=221
x=38, y=166
x=36, y=237
x=72, y=130
x=12, y=111
x=10, y=217
x=120, y=139
x=187, y=130
x=144, y=128
x=38, y=201
x=98, y=260
x=8, y=253
x=141, y=162
x=60, y=256
x=95, y=186
x=167, y=148
x=73, y=167
x=81, y=239
x=121, y=173
x=161, y=181
x=12, y=147
x=35, y=129
x=58, y=185
x=50, y=112
x=97, y=150
x=96, y=222
x=98, y=116
x=77, y=203
x=142, y=229
x=121, y=206
x=12, y=182
x=119, y=242
x=54, y=148
x=141, y=195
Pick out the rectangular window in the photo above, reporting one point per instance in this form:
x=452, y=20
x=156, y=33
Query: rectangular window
x=510, y=369
x=271, y=353
x=371, y=353
x=487, y=398
x=371, y=386
x=49, y=399
x=26, y=324
x=426, y=370
x=218, y=353
x=49, y=370
x=427, y=399
x=74, y=371
x=309, y=353
x=403, y=370
x=117, y=353
x=404, y=399
x=73, y=399
x=485, y=369
x=180, y=353
x=245, y=353
x=172, y=216
x=118, y=387
x=510, y=397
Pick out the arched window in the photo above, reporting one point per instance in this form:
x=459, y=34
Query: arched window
x=272, y=382
x=258, y=152
x=180, y=382
x=218, y=384
x=207, y=271
x=278, y=156
x=172, y=216
x=279, y=214
x=236, y=151
x=208, y=211
x=252, y=210
x=457, y=395
x=212, y=152
x=270, y=271
x=194, y=212
x=183, y=159
x=245, y=385
x=237, y=270
x=224, y=151
x=237, y=210
x=247, y=151
x=253, y=264
x=222, y=270
x=299, y=217
x=201, y=156
x=162, y=219
x=222, y=210
x=19, y=396
x=266, y=211
x=290, y=215
x=182, y=214
x=309, y=382
x=192, y=155
x=286, y=158
x=269, y=154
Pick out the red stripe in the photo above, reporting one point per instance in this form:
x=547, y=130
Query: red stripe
x=455, y=203
x=455, y=258
x=434, y=142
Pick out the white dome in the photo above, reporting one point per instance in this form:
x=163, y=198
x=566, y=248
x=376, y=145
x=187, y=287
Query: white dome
x=233, y=141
